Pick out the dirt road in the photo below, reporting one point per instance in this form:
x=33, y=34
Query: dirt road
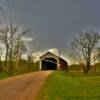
x=22, y=87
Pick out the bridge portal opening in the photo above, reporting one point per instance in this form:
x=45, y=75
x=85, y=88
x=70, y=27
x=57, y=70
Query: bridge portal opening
x=49, y=64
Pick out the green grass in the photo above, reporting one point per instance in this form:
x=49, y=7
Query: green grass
x=3, y=75
x=71, y=86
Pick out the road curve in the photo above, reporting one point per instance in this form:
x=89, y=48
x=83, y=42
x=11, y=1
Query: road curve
x=22, y=87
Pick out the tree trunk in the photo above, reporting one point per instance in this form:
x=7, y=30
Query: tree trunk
x=5, y=64
x=88, y=66
x=84, y=69
x=17, y=55
x=11, y=59
x=11, y=67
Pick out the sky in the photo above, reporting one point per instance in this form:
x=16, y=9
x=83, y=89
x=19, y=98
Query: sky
x=53, y=23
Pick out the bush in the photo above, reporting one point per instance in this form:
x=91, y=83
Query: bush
x=23, y=67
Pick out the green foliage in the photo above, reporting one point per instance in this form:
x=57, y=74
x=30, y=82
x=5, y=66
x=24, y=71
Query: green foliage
x=24, y=67
x=3, y=75
x=75, y=67
x=96, y=67
x=71, y=86
x=79, y=68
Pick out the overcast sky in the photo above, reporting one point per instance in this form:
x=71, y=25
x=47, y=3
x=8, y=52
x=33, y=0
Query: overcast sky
x=53, y=22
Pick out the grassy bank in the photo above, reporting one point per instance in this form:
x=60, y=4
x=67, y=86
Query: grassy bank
x=71, y=86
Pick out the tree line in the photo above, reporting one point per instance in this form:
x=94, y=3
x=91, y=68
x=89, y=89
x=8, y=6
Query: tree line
x=11, y=38
x=85, y=48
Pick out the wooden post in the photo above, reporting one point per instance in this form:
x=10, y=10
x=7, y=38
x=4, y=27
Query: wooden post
x=59, y=61
x=40, y=65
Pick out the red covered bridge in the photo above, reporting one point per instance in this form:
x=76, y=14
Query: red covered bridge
x=50, y=61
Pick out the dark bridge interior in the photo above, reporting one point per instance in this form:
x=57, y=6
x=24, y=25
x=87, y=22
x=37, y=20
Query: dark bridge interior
x=49, y=64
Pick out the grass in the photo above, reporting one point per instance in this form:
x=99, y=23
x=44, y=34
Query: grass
x=71, y=86
x=3, y=75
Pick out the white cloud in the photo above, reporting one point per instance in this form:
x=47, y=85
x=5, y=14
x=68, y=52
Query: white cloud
x=27, y=39
x=24, y=56
x=2, y=47
x=54, y=50
x=36, y=55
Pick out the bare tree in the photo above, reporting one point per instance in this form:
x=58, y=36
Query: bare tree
x=20, y=48
x=83, y=45
x=0, y=59
x=98, y=56
x=95, y=58
x=4, y=39
x=16, y=44
x=11, y=38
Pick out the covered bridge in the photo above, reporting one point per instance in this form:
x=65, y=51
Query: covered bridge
x=50, y=61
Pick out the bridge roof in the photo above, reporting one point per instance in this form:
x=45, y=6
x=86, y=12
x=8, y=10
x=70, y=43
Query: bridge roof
x=53, y=55
x=49, y=53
